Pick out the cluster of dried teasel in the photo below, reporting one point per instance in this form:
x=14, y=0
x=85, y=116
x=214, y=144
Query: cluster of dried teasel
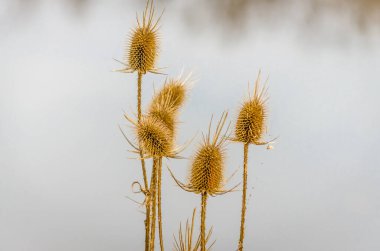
x=155, y=133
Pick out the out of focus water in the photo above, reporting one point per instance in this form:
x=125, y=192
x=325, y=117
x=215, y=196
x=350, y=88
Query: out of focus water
x=65, y=170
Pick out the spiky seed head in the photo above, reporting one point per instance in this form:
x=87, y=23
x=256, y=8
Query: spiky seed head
x=250, y=124
x=207, y=169
x=154, y=137
x=171, y=96
x=206, y=173
x=142, y=50
x=167, y=102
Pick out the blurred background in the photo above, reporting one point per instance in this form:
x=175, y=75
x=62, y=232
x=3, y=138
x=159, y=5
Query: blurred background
x=65, y=169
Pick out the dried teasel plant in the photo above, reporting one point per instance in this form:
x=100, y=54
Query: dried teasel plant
x=185, y=237
x=155, y=136
x=207, y=170
x=155, y=141
x=164, y=109
x=249, y=129
x=141, y=56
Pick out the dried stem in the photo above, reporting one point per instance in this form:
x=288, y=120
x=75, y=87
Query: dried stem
x=139, y=84
x=203, y=221
x=159, y=174
x=244, y=206
x=147, y=221
x=147, y=206
x=153, y=202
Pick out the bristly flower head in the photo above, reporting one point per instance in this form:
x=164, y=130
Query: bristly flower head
x=250, y=124
x=166, y=103
x=172, y=95
x=142, y=50
x=154, y=137
x=207, y=169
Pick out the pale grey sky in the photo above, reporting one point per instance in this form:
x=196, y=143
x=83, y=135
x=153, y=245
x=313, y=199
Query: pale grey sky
x=65, y=170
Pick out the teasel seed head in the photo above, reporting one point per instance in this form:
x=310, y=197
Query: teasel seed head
x=206, y=173
x=167, y=101
x=142, y=51
x=154, y=137
x=142, y=48
x=207, y=169
x=172, y=95
x=250, y=124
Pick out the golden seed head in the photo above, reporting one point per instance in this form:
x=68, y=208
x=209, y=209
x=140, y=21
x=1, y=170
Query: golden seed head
x=142, y=50
x=207, y=169
x=167, y=102
x=172, y=95
x=206, y=174
x=250, y=124
x=154, y=137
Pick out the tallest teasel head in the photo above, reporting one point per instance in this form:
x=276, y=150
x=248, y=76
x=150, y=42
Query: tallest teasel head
x=142, y=49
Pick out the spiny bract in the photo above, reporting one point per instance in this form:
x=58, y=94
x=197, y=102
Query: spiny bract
x=154, y=137
x=207, y=169
x=142, y=50
x=250, y=124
